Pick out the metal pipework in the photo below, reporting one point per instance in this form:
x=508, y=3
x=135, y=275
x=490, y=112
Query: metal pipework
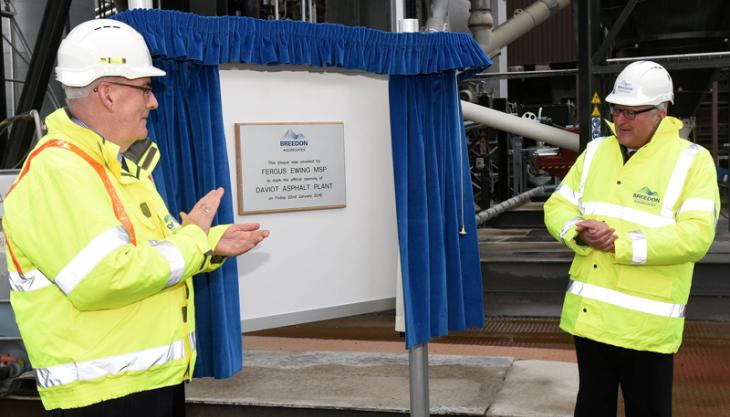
x=438, y=21
x=481, y=22
x=519, y=126
x=516, y=201
x=140, y=4
x=523, y=22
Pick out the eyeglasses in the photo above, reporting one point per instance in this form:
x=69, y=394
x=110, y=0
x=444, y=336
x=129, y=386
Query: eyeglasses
x=146, y=91
x=628, y=114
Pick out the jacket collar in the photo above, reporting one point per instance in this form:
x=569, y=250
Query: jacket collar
x=139, y=160
x=667, y=130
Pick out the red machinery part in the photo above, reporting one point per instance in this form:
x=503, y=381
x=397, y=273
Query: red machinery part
x=557, y=165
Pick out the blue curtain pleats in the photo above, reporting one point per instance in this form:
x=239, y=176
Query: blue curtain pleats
x=441, y=272
x=188, y=128
x=231, y=39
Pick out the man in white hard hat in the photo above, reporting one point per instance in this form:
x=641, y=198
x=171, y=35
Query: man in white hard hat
x=638, y=208
x=100, y=271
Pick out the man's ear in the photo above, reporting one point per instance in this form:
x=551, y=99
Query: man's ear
x=104, y=92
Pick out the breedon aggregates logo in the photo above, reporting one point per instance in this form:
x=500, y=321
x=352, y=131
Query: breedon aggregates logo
x=293, y=142
x=646, y=197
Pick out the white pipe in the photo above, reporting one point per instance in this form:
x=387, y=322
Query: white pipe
x=519, y=126
x=139, y=4
x=523, y=22
x=407, y=25
x=481, y=22
x=438, y=21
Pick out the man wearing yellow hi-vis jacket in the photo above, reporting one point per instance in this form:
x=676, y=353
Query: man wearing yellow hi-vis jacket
x=638, y=208
x=99, y=270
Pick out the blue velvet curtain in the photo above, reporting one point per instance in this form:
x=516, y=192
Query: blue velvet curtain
x=440, y=266
x=189, y=133
x=442, y=283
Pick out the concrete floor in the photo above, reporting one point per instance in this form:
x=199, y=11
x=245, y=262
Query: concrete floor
x=357, y=383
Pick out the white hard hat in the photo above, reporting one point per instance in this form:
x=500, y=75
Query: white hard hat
x=103, y=48
x=642, y=83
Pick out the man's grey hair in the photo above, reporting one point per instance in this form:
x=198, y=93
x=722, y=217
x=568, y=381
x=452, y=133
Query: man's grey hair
x=663, y=105
x=80, y=92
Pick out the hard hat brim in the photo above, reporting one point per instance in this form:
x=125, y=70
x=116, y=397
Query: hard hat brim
x=622, y=100
x=83, y=78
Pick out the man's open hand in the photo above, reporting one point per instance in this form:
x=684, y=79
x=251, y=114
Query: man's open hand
x=239, y=239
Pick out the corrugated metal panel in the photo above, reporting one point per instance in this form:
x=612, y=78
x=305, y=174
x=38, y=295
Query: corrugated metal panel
x=551, y=42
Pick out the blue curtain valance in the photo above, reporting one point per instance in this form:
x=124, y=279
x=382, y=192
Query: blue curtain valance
x=232, y=39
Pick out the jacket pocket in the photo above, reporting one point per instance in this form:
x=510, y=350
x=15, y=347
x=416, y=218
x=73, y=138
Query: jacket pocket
x=657, y=281
x=141, y=214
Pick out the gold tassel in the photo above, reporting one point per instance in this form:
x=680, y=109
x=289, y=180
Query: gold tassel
x=463, y=230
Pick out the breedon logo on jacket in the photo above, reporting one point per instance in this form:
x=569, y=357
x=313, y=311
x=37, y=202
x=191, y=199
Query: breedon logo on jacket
x=647, y=197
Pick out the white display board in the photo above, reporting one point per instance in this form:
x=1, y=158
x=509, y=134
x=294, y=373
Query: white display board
x=324, y=263
x=290, y=166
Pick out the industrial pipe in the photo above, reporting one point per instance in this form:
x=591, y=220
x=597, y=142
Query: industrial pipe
x=519, y=126
x=523, y=22
x=516, y=201
x=481, y=22
x=438, y=21
x=140, y=4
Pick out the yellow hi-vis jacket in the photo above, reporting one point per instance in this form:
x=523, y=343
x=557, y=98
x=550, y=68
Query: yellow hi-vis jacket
x=99, y=270
x=663, y=203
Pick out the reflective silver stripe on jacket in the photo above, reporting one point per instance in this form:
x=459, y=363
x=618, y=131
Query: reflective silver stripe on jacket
x=591, y=150
x=192, y=341
x=567, y=227
x=625, y=213
x=90, y=256
x=626, y=301
x=174, y=258
x=28, y=281
x=698, y=204
x=71, y=372
x=638, y=247
x=676, y=181
x=567, y=193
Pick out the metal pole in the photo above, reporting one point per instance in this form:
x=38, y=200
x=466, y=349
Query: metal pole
x=715, y=121
x=418, y=370
x=36, y=82
x=139, y=4
x=588, y=31
x=675, y=57
x=417, y=355
x=304, y=10
x=276, y=9
x=611, y=36
x=516, y=201
x=397, y=13
x=11, y=58
x=502, y=188
x=3, y=106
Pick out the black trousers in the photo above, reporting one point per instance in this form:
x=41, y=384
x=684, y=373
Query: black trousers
x=161, y=402
x=645, y=379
